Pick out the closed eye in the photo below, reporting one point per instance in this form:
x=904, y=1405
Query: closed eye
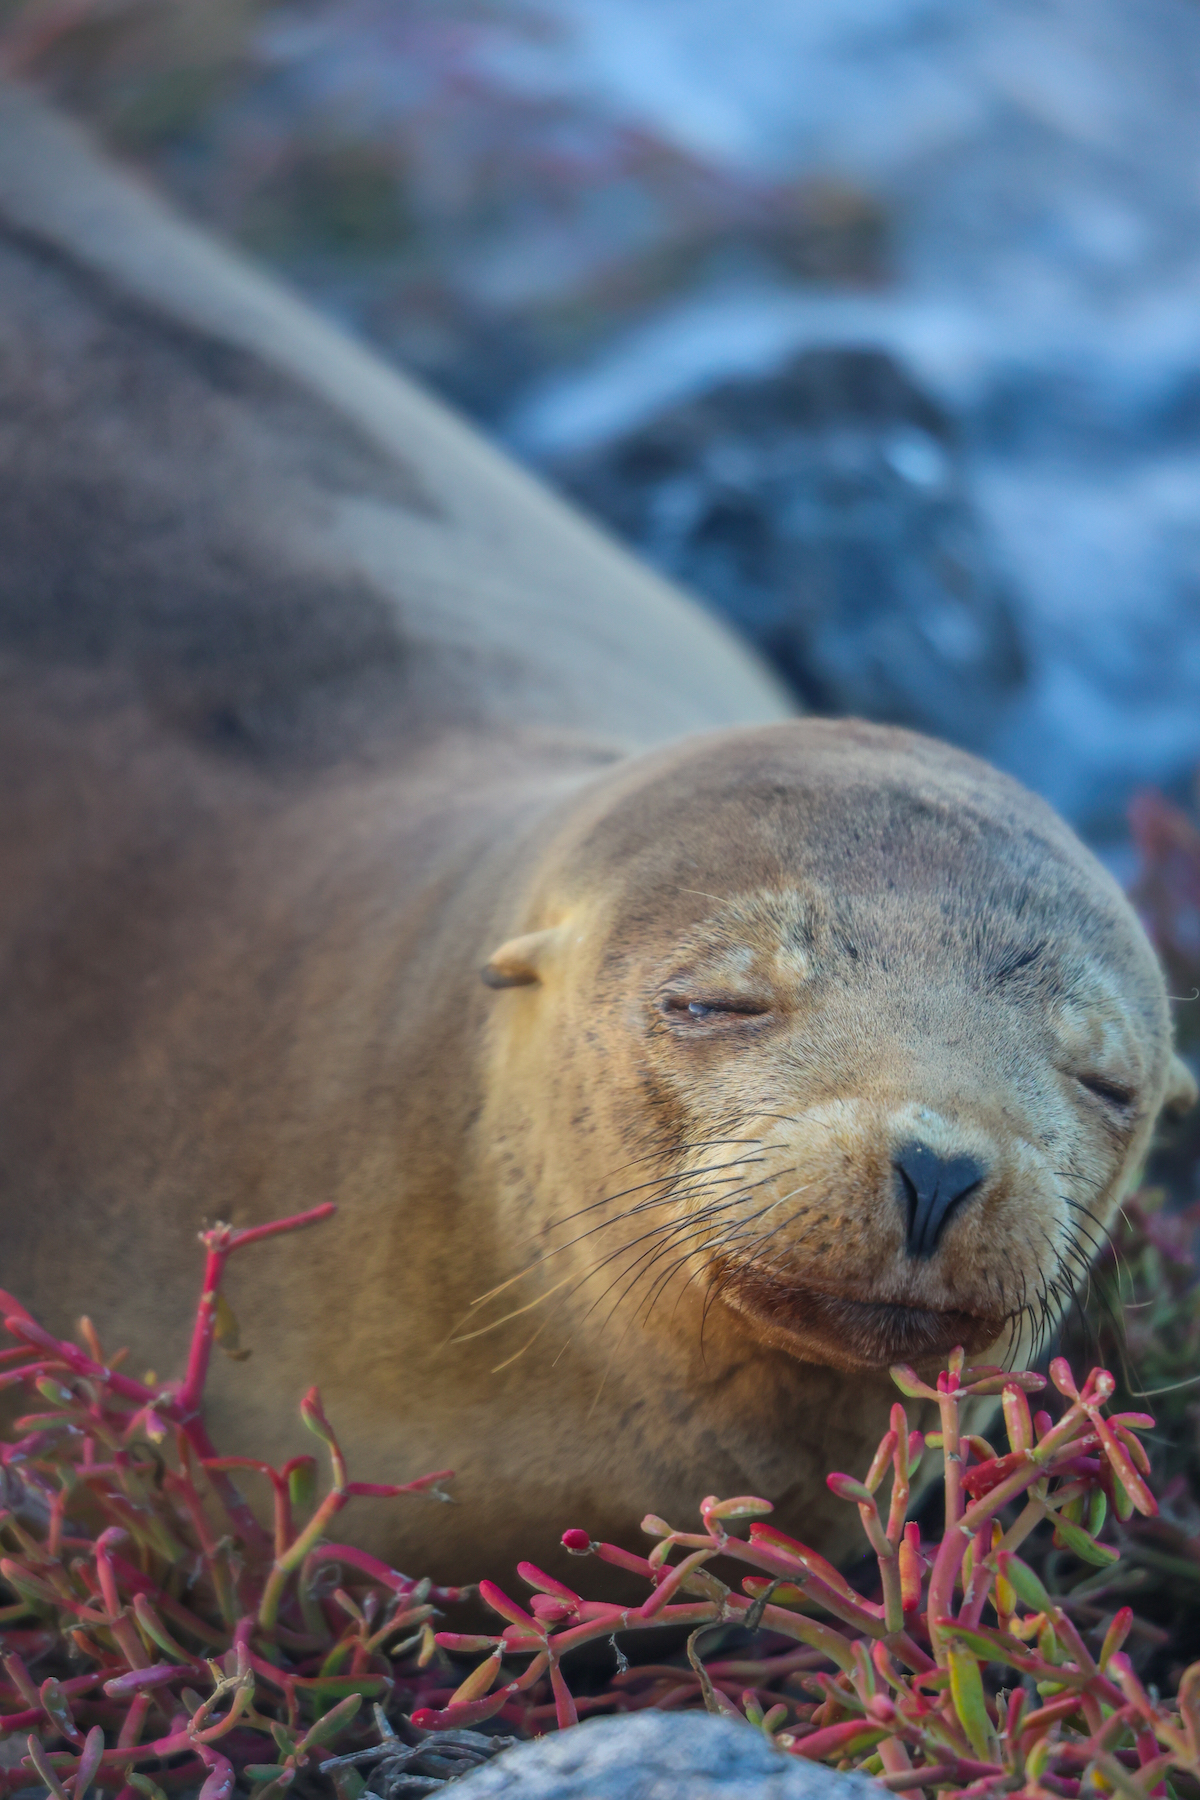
x=695, y=1009
x=1113, y=1093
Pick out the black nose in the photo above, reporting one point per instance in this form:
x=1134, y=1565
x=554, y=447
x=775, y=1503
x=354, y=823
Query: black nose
x=931, y=1188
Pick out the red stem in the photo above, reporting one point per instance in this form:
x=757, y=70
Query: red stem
x=180, y=1406
x=190, y=1393
x=184, y=1406
x=362, y=1560
x=79, y=1364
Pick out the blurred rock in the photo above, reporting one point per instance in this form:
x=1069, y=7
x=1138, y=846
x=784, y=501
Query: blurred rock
x=571, y=216
x=657, y=1756
x=824, y=509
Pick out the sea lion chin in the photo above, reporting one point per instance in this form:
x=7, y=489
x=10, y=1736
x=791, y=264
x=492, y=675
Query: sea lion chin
x=858, y=1336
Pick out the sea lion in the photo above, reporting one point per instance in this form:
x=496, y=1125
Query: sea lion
x=799, y=1050
x=799, y=1046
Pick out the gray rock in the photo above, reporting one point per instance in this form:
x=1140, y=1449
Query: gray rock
x=658, y=1756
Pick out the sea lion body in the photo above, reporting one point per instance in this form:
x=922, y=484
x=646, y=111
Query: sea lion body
x=800, y=1046
x=281, y=1005
x=695, y=1222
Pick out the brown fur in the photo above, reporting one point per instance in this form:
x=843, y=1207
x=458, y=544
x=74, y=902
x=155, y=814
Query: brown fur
x=693, y=1225
x=261, y=827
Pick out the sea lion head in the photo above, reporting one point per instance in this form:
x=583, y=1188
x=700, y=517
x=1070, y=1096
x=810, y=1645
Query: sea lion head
x=836, y=1029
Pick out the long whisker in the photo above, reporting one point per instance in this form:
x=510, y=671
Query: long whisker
x=665, y=1180
x=671, y=1226
x=517, y=1312
x=671, y=1182
x=518, y=1354
x=700, y=1220
x=732, y=1233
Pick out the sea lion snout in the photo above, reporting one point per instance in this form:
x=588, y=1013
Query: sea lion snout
x=858, y=1242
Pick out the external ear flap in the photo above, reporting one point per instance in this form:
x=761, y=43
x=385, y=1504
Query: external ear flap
x=520, y=962
x=1182, y=1090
